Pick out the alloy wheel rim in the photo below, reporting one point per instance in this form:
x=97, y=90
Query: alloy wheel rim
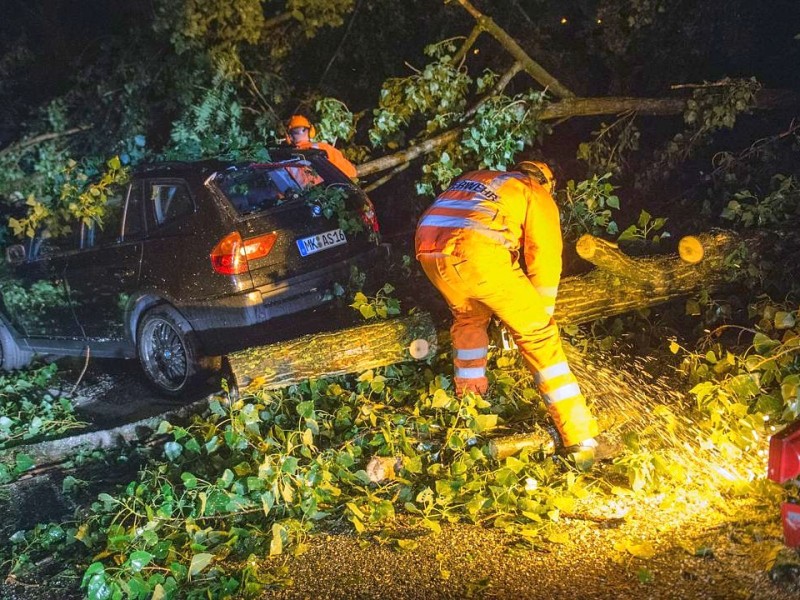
x=164, y=354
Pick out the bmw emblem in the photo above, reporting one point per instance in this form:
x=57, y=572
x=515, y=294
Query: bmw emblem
x=316, y=210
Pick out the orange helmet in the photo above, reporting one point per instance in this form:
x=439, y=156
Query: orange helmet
x=539, y=171
x=300, y=121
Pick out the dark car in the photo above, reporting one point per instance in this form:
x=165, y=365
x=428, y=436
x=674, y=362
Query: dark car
x=189, y=256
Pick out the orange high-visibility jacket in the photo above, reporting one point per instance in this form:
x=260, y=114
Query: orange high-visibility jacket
x=508, y=209
x=336, y=158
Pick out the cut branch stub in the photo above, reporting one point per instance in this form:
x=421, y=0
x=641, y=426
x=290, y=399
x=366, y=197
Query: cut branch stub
x=607, y=256
x=690, y=249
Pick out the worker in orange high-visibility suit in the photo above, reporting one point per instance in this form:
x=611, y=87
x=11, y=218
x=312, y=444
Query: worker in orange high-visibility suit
x=469, y=243
x=300, y=132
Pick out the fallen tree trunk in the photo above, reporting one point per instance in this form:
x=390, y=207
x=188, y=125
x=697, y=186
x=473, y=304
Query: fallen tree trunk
x=350, y=350
x=621, y=283
x=618, y=284
x=568, y=108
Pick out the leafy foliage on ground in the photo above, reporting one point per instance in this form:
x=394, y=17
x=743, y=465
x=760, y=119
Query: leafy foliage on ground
x=30, y=409
x=257, y=475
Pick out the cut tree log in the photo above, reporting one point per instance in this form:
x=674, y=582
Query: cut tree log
x=618, y=284
x=351, y=350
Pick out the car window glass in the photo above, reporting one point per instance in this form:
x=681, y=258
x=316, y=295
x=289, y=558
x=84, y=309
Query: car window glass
x=134, y=223
x=44, y=244
x=259, y=188
x=169, y=201
x=109, y=228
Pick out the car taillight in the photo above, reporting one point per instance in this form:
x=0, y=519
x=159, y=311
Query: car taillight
x=230, y=255
x=369, y=217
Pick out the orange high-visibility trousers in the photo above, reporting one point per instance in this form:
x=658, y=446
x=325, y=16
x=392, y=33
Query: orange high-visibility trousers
x=490, y=282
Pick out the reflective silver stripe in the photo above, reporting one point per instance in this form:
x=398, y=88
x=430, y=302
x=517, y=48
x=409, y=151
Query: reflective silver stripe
x=471, y=373
x=551, y=372
x=495, y=183
x=464, y=205
x=471, y=353
x=565, y=391
x=462, y=223
x=547, y=291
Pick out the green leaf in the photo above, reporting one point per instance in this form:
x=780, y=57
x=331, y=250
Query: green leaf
x=138, y=587
x=199, y=562
x=172, y=450
x=227, y=478
x=643, y=550
x=559, y=538
x=486, y=422
x=24, y=462
x=367, y=311
x=98, y=588
x=440, y=399
x=276, y=544
x=628, y=234
x=306, y=409
x=308, y=438
x=94, y=569
x=784, y=320
x=763, y=344
x=139, y=560
x=189, y=480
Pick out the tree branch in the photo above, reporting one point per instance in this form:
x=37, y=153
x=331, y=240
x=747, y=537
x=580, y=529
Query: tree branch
x=277, y=20
x=45, y=137
x=530, y=66
x=574, y=107
x=498, y=88
x=462, y=52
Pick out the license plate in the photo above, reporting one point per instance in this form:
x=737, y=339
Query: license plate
x=321, y=241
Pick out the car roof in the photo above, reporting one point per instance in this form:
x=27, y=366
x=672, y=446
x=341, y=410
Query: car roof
x=208, y=166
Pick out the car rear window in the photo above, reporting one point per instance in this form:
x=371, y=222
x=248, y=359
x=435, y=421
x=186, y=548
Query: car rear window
x=261, y=187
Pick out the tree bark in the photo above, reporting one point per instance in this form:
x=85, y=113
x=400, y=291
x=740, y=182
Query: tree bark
x=352, y=350
x=620, y=283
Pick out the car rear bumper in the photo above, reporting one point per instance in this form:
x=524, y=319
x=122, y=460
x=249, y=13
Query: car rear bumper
x=221, y=324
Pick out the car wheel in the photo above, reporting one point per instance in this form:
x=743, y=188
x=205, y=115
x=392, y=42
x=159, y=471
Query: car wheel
x=167, y=350
x=11, y=357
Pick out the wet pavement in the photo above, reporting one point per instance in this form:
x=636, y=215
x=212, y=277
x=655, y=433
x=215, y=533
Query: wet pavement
x=114, y=392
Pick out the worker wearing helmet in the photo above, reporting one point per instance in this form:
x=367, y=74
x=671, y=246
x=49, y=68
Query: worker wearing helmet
x=470, y=243
x=300, y=132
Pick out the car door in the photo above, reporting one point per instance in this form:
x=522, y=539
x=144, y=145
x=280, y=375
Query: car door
x=34, y=291
x=102, y=276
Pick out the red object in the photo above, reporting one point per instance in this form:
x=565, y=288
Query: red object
x=230, y=255
x=790, y=514
x=784, y=454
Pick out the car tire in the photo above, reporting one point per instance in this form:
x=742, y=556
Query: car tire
x=11, y=357
x=168, y=351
